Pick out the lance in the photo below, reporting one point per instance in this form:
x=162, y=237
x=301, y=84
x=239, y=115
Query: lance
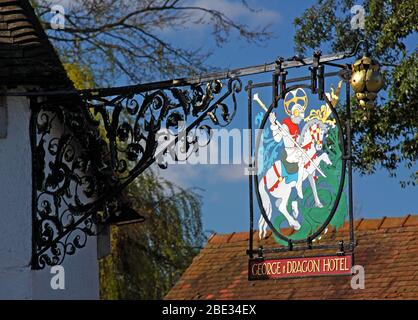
x=262, y=105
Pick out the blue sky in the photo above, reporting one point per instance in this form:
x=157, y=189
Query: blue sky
x=225, y=194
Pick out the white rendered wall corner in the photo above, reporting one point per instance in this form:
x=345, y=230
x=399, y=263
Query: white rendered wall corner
x=15, y=201
x=17, y=279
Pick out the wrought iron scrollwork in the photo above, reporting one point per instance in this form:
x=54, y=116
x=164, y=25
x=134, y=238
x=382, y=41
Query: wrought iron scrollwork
x=86, y=152
x=135, y=124
x=67, y=175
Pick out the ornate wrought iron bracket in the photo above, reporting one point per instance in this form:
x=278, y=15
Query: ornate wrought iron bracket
x=86, y=152
x=88, y=147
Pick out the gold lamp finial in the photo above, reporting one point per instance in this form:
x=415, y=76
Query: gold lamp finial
x=366, y=81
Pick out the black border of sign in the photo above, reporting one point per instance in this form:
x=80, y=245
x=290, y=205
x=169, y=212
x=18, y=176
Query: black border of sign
x=342, y=177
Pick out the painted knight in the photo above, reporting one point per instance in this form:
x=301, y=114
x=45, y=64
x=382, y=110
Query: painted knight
x=291, y=157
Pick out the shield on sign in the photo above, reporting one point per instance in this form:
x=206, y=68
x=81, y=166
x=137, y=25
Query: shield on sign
x=300, y=167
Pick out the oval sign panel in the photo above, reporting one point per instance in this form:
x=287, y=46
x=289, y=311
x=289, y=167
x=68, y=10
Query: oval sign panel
x=300, y=166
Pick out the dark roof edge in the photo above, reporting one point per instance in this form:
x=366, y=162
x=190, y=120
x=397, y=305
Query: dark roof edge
x=39, y=29
x=61, y=79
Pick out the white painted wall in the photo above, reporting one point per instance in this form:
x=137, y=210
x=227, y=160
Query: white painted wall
x=17, y=279
x=15, y=203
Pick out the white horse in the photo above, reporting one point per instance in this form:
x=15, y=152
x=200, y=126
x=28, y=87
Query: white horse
x=312, y=140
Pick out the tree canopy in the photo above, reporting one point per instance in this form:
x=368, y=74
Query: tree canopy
x=386, y=136
x=125, y=38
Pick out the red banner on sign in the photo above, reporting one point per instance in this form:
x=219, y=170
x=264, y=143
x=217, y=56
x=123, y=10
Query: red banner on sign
x=299, y=267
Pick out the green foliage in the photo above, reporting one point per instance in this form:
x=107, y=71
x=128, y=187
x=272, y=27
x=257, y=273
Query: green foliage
x=81, y=76
x=386, y=136
x=314, y=217
x=148, y=258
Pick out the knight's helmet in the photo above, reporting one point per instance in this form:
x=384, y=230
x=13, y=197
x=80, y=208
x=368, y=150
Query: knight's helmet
x=295, y=103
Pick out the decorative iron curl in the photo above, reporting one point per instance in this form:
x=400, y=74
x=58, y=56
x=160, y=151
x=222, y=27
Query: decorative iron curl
x=186, y=140
x=138, y=125
x=82, y=161
x=67, y=174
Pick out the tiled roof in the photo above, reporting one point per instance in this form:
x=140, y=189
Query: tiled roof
x=26, y=55
x=387, y=248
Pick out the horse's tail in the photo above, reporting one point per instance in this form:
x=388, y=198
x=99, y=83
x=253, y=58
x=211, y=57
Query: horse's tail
x=265, y=199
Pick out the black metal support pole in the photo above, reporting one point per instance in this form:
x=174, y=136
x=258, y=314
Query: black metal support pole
x=340, y=247
x=283, y=81
x=314, y=71
x=350, y=166
x=250, y=169
x=275, y=86
x=181, y=82
x=321, y=82
x=32, y=132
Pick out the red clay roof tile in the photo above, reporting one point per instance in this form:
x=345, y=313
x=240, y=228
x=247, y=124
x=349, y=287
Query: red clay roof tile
x=220, y=238
x=411, y=221
x=372, y=224
x=393, y=223
x=387, y=248
x=242, y=236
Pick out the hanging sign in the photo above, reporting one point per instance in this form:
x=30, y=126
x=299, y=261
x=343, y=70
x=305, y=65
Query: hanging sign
x=299, y=183
x=300, y=267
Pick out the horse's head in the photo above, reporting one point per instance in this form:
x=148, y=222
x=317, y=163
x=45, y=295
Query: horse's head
x=317, y=132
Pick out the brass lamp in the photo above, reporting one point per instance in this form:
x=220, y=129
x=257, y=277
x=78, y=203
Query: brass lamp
x=366, y=81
